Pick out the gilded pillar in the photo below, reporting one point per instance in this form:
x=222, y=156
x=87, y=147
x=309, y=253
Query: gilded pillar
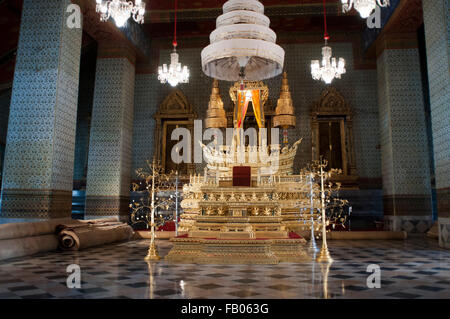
x=110, y=146
x=38, y=168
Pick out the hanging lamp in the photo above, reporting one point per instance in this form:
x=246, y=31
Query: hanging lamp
x=329, y=69
x=364, y=7
x=121, y=11
x=243, y=47
x=175, y=73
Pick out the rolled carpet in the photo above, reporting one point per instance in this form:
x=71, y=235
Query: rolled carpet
x=19, y=247
x=76, y=238
x=28, y=229
x=434, y=231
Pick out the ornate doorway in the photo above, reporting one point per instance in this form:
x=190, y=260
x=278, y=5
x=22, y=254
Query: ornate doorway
x=332, y=132
x=175, y=111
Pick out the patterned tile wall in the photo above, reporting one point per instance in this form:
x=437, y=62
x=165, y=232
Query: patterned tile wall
x=82, y=142
x=145, y=97
x=41, y=131
x=405, y=162
x=5, y=100
x=109, y=163
x=359, y=87
x=85, y=101
x=437, y=34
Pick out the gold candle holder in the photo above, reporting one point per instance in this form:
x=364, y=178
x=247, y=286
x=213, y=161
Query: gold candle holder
x=324, y=256
x=152, y=252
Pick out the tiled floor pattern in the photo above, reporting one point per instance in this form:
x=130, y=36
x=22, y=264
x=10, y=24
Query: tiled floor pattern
x=416, y=268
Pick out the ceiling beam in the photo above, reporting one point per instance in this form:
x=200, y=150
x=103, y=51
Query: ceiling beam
x=295, y=10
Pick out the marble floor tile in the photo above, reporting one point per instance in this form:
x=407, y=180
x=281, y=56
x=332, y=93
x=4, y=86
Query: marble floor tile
x=414, y=269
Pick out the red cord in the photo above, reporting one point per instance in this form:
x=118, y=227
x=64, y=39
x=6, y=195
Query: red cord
x=326, y=36
x=175, y=28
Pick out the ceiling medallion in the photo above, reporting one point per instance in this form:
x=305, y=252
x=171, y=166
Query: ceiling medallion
x=364, y=7
x=175, y=73
x=120, y=11
x=330, y=68
x=243, y=47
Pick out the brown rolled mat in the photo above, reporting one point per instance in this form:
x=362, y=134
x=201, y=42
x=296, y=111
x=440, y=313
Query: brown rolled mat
x=83, y=224
x=19, y=247
x=28, y=229
x=99, y=220
x=434, y=231
x=83, y=237
x=373, y=235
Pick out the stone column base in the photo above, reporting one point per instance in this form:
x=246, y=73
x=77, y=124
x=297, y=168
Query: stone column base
x=107, y=206
x=410, y=224
x=36, y=204
x=407, y=205
x=444, y=232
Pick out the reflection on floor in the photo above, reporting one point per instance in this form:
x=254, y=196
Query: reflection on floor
x=416, y=268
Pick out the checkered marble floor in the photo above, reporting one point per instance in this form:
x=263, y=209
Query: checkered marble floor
x=416, y=268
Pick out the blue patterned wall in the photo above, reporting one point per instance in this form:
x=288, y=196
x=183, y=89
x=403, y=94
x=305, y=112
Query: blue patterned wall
x=110, y=144
x=111, y=128
x=404, y=142
x=41, y=131
x=5, y=100
x=85, y=101
x=403, y=131
x=437, y=32
x=145, y=97
x=437, y=35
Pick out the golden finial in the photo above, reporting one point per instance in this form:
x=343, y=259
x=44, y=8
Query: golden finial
x=284, y=113
x=215, y=115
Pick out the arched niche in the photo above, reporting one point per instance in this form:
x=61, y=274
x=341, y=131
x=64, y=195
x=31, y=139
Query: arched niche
x=175, y=111
x=332, y=132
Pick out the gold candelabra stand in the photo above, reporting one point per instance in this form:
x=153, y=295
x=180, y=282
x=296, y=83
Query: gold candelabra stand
x=145, y=209
x=316, y=171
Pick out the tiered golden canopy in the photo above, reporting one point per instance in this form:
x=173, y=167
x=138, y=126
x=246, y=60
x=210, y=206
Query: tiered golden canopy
x=215, y=115
x=284, y=113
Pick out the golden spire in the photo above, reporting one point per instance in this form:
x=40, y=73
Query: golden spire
x=215, y=115
x=284, y=113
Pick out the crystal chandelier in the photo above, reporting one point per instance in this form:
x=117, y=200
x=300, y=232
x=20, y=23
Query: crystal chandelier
x=330, y=68
x=121, y=10
x=175, y=73
x=364, y=7
x=242, y=47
